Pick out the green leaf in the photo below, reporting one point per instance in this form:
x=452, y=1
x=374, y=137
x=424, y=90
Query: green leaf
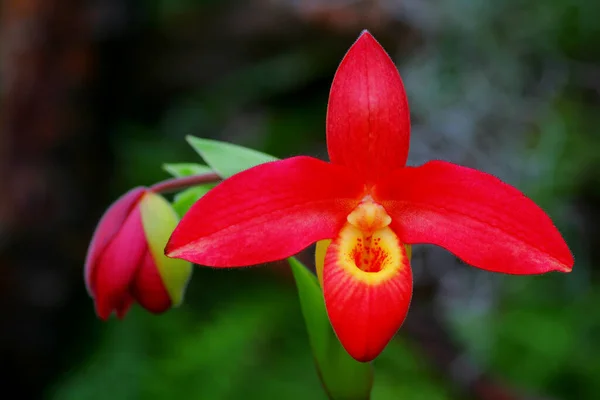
x=186, y=169
x=343, y=377
x=185, y=199
x=227, y=159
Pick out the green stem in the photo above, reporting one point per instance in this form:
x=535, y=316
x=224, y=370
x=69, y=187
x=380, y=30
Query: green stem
x=175, y=184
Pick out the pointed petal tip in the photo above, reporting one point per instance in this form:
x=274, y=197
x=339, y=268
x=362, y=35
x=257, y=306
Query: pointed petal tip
x=365, y=33
x=566, y=268
x=176, y=251
x=368, y=39
x=102, y=311
x=104, y=318
x=172, y=250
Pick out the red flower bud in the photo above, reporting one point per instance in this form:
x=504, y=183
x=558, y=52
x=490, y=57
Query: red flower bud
x=125, y=260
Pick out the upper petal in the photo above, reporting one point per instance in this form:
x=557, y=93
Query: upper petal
x=266, y=213
x=109, y=225
x=484, y=221
x=368, y=121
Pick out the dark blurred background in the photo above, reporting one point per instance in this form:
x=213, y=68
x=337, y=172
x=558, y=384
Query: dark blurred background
x=96, y=94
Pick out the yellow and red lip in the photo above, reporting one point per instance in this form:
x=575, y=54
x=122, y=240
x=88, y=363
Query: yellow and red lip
x=370, y=206
x=366, y=281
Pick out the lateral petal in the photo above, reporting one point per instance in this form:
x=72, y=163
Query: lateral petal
x=266, y=213
x=482, y=220
x=368, y=121
x=366, y=309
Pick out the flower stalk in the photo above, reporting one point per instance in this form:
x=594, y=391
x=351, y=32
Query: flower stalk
x=177, y=184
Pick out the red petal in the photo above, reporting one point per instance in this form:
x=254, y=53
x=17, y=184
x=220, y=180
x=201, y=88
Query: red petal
x=368, y=121
x=366, y=308
x=107, y=228
x=115, y=269
x=482, y=220
x=148, y=288
x=266, y=213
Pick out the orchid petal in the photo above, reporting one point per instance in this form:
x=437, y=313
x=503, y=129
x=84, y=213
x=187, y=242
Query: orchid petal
x=482, y=220
x=266, y=213
x=366, y=308
x=148, y=288
x=368, y=121
x=117, y=266
x=107, y=228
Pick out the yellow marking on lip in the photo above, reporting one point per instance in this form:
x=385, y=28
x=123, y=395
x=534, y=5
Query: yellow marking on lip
x=365, y=247
x=372, y=258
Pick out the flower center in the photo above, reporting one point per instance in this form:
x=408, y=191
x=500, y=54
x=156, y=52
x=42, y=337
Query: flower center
x=366, y=242
x=369, y=252
x=369, y=216
x=366, y=247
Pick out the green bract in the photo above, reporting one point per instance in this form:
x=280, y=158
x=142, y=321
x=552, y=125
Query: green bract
x=159, y=219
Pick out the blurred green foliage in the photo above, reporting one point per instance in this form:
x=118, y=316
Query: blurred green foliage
x=343, y=377
x=249, y=346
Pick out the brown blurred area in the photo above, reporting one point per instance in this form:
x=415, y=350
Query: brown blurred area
x=55, y=164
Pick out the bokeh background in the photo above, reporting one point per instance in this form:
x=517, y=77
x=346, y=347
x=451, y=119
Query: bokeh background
x=96, y=94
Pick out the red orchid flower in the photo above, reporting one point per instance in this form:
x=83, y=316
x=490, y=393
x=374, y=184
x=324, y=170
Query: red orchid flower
x=370, y=205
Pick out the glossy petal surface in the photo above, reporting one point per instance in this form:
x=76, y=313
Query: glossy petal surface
x=117, y=267
x=266, y=213
x=109, y=225
x=484, y=221
x=366, y=308
x=368, y=121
